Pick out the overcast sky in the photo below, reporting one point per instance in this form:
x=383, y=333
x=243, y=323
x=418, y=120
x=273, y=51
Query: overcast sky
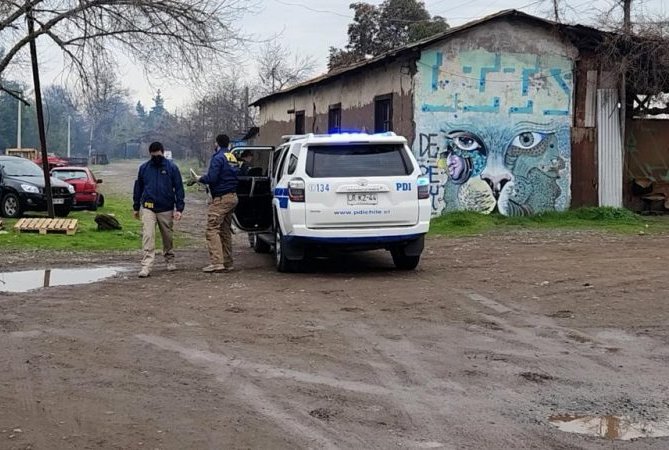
x=312, y=26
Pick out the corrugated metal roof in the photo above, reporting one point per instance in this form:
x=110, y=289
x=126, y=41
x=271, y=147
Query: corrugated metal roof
x=508, y=13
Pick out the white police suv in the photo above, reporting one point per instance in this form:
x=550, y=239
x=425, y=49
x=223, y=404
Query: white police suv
x=346, y=191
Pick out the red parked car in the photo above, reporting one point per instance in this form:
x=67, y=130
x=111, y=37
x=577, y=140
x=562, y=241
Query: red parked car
x=85, y=184
x=53, y=160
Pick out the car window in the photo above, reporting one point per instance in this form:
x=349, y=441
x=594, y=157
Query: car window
x=292, y=164
x=70, y=174
x=359, y=160
x=277, y=157
x=282, y=165
x=21, y=167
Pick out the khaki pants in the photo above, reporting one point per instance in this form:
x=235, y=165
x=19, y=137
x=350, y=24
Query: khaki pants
x=165, y=223
x=219, y=229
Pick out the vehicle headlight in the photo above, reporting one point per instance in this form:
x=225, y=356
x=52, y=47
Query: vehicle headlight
x=30, y=188
x=70, y=189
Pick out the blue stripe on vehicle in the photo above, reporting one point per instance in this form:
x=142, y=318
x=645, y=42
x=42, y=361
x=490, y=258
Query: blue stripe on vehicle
x=281, y=194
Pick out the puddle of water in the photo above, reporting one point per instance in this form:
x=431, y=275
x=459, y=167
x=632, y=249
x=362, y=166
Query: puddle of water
x=620, y=428
x=30, y=280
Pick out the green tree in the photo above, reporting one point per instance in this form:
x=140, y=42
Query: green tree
x=8, y=117
x=58, y=107
x=378, y=29
x=158, y=114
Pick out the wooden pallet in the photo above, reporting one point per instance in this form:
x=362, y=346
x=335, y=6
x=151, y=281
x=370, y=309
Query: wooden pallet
x=44, y=226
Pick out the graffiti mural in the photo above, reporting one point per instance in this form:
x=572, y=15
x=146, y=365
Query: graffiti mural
x=493, y=131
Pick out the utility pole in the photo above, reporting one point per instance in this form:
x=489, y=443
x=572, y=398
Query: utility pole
x=627, y=31
x=69, y=130
x=247, y=121
x=19, y=125
x=40, y=117
x=627, y=16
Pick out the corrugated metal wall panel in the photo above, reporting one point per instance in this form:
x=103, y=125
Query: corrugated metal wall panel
x=590, y=98
x=609, y=149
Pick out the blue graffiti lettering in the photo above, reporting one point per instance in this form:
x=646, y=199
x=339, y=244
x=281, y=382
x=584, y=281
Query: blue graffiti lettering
x=486, y=70
x=494, y=108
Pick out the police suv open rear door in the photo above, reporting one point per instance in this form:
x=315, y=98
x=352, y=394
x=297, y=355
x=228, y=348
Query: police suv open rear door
x=254, y=211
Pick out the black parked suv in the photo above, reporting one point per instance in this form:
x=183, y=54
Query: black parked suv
x=22, y=189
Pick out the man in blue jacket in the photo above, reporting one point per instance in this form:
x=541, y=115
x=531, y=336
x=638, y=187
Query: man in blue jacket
x=222, y=181
x=158, y=198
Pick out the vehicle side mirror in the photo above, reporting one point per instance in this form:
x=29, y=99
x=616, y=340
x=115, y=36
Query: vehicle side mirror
x=98, y=181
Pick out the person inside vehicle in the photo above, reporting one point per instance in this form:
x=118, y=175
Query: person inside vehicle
x=246, y=159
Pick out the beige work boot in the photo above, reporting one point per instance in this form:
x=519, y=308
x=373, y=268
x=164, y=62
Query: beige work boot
x=144, y=273
x=171, y=267
x=212, y=268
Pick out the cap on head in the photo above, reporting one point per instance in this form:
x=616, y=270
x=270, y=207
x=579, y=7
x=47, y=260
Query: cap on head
x=223, y=140
x=156, y=147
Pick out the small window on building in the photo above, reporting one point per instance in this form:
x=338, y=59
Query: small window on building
x=383, y=113
x=299, y=122
x=334, y=119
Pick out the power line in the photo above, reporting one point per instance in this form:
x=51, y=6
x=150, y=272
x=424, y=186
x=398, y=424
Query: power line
x=307, y=7
x=346, y=16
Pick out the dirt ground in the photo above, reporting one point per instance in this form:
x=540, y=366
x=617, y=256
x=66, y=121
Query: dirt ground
x=476, y=349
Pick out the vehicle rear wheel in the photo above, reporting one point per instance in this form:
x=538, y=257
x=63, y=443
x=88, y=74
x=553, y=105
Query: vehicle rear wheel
x=10, y=206
x=258, y=245
x=283, y=264
x=62, y=211
x=403, y=261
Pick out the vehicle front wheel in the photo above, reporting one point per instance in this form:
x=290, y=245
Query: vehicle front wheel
x=101, y=200
x=258, y=245
x=62, y=211
x=10, y=206
x=403, y=261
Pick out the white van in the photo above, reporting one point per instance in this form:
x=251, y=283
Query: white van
x=346, y=191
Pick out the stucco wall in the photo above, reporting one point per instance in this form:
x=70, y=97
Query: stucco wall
x=493, y=111
x=355, y=93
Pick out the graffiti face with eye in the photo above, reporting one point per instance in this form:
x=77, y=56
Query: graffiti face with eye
x=465, y=156
x=497, y=168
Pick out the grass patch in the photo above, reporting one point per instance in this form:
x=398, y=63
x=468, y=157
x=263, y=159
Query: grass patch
x=87, y=237
x=606, y=219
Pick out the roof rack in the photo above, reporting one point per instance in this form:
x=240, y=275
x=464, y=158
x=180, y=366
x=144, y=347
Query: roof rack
x=293, y=137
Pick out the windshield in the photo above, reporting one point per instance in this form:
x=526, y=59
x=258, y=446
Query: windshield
x=70, y=174
x=359, y=160
x=20, y=168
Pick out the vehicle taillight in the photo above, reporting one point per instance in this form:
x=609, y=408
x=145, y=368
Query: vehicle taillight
x=423, y=188
x=296, y=190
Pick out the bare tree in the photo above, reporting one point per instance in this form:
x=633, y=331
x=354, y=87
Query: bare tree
x=103, y=100
x=223, y=109
x=279, y=68
x=177, y=36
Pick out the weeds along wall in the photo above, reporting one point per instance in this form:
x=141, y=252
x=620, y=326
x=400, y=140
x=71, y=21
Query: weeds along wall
x=493, y=112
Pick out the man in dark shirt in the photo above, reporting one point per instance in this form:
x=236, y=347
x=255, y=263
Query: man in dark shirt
x=222, y=181
x=158, y=198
